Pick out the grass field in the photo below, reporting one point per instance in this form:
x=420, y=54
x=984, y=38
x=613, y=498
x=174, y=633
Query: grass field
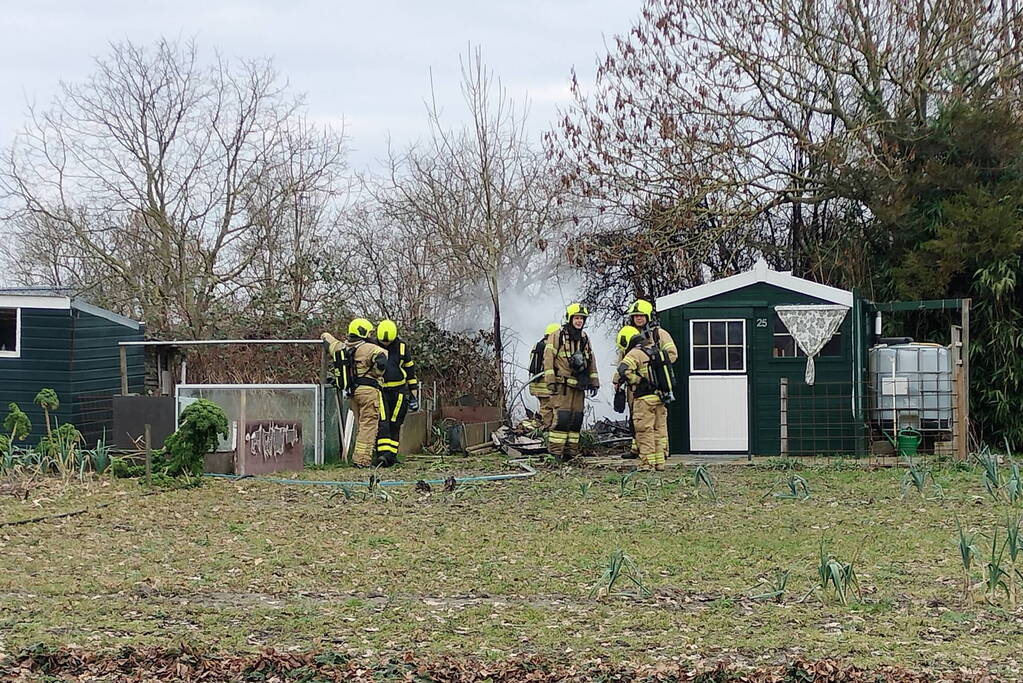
x=498, y=569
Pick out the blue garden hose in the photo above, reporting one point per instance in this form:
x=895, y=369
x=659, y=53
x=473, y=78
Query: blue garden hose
x=524, y=464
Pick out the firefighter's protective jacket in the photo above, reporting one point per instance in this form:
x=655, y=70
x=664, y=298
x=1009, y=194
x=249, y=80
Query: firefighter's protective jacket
x=368, y=369
x=634, y=370
x=401, y=369
x=538, y=387
x=561, y=345
x=663, y=340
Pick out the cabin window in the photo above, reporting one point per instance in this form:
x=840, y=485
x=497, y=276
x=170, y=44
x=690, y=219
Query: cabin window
x=718, y=345
x=10, y=332
x=786, y=347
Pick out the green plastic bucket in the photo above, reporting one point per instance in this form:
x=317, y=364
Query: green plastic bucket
x=908, y=441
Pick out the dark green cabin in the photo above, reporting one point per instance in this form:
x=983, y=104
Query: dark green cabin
x=741, y=377
x=50, y=339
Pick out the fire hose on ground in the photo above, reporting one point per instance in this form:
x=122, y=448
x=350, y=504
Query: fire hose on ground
x=522, y=463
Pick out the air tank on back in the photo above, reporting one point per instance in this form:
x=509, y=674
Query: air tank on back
x=911, y=384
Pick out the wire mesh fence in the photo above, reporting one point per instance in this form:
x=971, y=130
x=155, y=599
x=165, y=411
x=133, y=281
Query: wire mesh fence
x=880, y=417
x=94, y=416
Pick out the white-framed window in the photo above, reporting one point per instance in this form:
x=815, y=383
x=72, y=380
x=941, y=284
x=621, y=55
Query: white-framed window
x=10, y=332
x=717, y=345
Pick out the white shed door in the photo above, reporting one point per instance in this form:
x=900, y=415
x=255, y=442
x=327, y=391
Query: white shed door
x=718, y=386
x=718, y=413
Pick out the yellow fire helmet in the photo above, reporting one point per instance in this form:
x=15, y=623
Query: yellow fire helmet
x=641, y=307
x=360, y=328
x=575, y=309
x=551, y=329
x=387, y=331
x=626, y=335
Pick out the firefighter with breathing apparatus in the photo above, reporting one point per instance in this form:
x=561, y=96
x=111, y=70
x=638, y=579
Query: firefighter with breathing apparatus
x=642, y=316
x=358, y=366
x=399, y=391
x=537, y=383
x=644, y=380
x=570, y=370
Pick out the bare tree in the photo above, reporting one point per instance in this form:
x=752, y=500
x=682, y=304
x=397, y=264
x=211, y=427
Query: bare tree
x=387, y=270
x=483, y=200
x=172, y=191
x=767, y=117
x=293, y=212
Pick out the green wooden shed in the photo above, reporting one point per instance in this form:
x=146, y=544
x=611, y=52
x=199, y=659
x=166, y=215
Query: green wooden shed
x=743, y=383
x=52, y=339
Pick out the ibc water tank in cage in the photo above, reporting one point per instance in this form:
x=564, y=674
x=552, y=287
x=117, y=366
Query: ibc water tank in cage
x=911, y=383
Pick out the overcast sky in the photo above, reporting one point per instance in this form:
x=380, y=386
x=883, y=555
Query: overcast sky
x=366, y=63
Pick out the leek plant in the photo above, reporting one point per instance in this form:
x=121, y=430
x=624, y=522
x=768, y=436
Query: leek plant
x=702, y=477
x=839, y=576
x=620, y=567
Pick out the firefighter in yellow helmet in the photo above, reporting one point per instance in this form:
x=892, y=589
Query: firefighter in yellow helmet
x=646, y=403
x=642, y=316
x=363, y=364
x=399, y=389
x=569, y=370
x=538, y=383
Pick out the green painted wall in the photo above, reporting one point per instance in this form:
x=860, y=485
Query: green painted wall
x=74, y=353
x=45, y=362
x=821, y=418
x=96, y=371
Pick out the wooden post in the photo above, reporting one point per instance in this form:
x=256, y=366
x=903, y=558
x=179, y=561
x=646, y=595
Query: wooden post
x=965, y=387
x=784, y=421
x=960, y=441
x=149, y=454
x=320, y=427
x=962, y=416
x=241, y=448
x=124, y=370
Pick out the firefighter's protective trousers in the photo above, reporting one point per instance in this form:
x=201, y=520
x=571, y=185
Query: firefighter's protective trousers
x=392, y=416
x=368, y=406
x=546, y=412
x=662, y=432
x=648, y=413
x=567, y=406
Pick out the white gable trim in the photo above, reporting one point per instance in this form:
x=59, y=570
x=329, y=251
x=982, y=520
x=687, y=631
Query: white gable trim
x=105, y=314
x=760, y=273
x=53, y=302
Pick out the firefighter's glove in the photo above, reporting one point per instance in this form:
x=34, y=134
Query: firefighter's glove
x=413, y=403
x=619, y=403
x=592, y=391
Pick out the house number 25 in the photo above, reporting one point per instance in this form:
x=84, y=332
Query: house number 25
x=761, y=322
